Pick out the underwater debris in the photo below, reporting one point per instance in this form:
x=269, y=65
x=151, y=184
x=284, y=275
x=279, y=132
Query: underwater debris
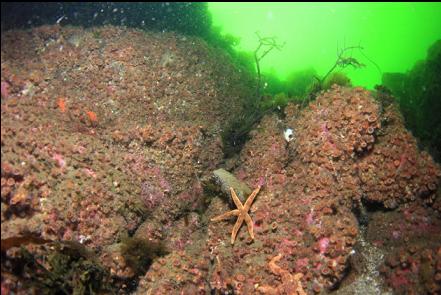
x=343, y=61
x=265, y=46
x=288, y=134
x=18, y=241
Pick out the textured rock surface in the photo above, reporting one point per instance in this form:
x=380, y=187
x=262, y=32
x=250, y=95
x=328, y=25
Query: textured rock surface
x=107, y=129
x=304, y=213
x=107, y=133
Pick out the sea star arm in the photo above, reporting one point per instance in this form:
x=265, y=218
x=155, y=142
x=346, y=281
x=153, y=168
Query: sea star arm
x=249, y=225
x=275, y=269
x=251, y=199
x=236, y=199
x=226, y=215
x=268, y=290
x=236, y=228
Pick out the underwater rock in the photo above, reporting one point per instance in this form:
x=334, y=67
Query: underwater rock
x=222, y=180
x=418, y=93
x=396, y=171
x=304, y=211
x=305, y=208
x=349, y=134
x=262, y=159
x=135, y=167
x=116, y=146
x=409, y=239
x=341, y=123
x=132, y=256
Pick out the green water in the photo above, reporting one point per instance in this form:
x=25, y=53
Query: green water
x=393, y=35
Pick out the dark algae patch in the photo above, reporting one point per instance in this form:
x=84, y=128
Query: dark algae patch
x=58, y=268
x=140, y=253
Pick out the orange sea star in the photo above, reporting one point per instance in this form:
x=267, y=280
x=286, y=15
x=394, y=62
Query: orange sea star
x=290, y=284
x=241, y=212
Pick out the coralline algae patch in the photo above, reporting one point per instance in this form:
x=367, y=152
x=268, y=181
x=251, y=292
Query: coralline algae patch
x=109, y=136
